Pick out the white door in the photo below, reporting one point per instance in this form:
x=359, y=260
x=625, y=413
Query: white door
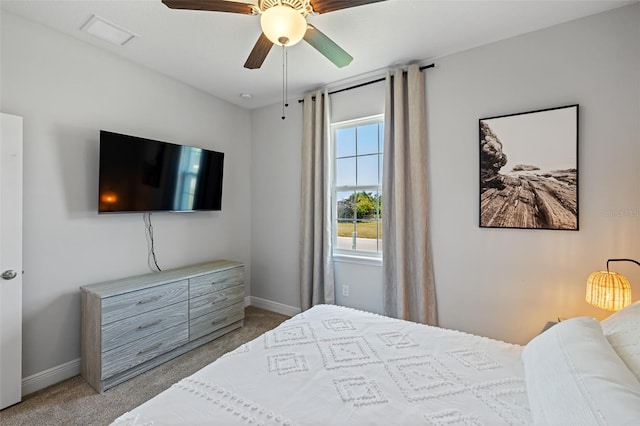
x=10, y=260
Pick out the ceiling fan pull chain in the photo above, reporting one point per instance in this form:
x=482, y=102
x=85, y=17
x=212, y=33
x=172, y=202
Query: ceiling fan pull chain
x=284, y=72
x=286, y=78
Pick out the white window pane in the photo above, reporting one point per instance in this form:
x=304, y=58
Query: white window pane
x=346, y=171
x=377, y=198
x=380, y=168
x=346, y=205
x=366, y=236
x=379, y=221
x=346, y=217
x=345, y=142
x=368, y=170
x=345, y=239
x=381, y=138
x=366, y=207
x=368, y=232
x=368, y=139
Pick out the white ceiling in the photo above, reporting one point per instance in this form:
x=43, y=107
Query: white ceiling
x=207, y=50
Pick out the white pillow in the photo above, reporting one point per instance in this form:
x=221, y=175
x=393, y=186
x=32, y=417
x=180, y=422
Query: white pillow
x=623, y=332
x=574, y=377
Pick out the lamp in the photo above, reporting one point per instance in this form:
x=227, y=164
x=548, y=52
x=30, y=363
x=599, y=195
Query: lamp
x=283, y=25
x=609, y=290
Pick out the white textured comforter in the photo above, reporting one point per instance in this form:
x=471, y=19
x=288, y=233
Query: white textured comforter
x=337, y=366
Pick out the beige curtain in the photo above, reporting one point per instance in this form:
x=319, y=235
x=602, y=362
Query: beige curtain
x=316, y=263
x=409, y=290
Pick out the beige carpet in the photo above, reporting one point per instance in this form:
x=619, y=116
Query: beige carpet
x=74, y=402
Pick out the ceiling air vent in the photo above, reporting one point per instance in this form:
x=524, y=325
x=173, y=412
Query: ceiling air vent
x=108, y=31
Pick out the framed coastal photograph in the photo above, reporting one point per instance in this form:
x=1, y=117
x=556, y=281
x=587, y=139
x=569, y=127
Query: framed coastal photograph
x=529, y=170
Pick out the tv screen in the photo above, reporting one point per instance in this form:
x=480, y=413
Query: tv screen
x=143, y=175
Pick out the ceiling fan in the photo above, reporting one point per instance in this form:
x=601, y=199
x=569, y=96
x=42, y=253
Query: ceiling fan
x=283, y=23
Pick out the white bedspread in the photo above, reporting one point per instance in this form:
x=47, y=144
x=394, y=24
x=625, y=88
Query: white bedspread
x=337, y=366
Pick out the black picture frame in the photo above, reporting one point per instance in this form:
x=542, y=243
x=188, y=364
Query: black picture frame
x=529, y=169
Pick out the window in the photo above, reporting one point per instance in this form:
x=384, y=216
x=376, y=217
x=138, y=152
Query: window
x=357, y=186
x=186, y=183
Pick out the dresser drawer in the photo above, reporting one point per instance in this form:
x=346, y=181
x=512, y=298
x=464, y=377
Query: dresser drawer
x=214, y=301
x=127, y=356
x=137, y=302
x=216, y=320
x=215, y=281
x=127, y=330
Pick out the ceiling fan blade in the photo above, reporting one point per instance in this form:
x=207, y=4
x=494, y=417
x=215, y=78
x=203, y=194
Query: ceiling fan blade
x=327, y=47
x=258, y=53
x=324, y=6
x=210, y=5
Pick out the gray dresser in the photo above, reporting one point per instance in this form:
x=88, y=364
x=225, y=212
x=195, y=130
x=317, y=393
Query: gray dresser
x=134, y=324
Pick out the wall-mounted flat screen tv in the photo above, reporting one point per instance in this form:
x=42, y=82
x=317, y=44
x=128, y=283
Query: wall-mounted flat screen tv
x=143, y=175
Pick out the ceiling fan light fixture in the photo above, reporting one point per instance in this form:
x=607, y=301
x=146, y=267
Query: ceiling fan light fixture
x=283, y=25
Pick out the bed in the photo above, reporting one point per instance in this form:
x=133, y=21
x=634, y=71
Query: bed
x=333, y=365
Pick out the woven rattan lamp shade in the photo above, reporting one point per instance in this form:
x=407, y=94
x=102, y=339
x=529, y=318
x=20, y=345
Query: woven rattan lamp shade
x=608, y=290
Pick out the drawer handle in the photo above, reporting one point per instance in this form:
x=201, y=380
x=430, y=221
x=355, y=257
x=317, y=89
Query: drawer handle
x=214, y=322
x=224, y=280
x=151, y=324
x=219, y=301
x=154, y=347
x=149, y=300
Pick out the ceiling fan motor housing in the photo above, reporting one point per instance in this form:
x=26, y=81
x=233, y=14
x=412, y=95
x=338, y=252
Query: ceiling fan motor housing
x=302, y=6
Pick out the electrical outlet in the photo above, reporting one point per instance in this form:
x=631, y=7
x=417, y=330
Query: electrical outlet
x=345, y=290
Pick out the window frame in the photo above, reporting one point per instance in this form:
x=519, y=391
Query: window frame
x=350, y=255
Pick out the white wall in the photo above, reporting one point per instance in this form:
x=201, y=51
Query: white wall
x=500, y=283
x=67, y=91
x=275, y=201
x=507, y=283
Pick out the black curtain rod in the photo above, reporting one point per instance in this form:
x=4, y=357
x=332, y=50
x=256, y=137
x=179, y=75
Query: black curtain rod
x=366, y=83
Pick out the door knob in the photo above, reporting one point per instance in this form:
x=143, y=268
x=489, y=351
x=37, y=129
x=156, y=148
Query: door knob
x=9, y=274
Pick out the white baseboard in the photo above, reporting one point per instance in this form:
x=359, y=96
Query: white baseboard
x=70, y=369
x=50, y=377
x=274, y=306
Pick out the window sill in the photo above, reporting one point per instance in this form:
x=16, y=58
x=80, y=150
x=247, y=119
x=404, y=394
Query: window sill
x=358, y=260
